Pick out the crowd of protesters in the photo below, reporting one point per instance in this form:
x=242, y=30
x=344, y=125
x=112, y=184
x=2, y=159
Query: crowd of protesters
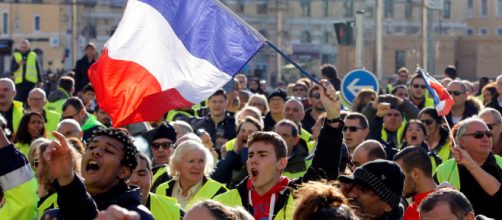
x=296, y=151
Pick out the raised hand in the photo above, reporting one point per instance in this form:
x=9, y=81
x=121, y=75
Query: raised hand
x=463, y=158
x=330, y=100
x=59, y=158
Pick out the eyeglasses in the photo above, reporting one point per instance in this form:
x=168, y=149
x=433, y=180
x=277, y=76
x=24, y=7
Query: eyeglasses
x=298, y=90
x=165, y=145
x=69, y=117
x=455, y=93
x=427, y=121
x=351, y=128
x=416, y=86
x=316, y=96
x=480, y=134
x=490, y=126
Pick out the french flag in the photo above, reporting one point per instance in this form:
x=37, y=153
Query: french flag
x=443, y=102
x=168, y=54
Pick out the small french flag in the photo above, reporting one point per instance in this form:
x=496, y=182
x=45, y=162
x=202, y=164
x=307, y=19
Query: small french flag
x=443, y=101
x=168, y=54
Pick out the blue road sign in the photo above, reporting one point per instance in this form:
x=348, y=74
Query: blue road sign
x=356, y=80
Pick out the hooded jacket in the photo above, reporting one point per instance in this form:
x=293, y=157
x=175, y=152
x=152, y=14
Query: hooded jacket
x=76, y=203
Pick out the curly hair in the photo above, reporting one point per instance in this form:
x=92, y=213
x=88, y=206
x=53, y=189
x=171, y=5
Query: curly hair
x=320, y=200
x=123, y=137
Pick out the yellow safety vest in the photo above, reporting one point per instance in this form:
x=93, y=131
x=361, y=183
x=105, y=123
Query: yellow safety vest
x=23, y=148
x=429, y=102
x=229, y=146
x=56, y=106
x=159, y=173
x=17, y=114
x=49, y=203
x=232, y=198
x=448, y=171
x=173, y=113
x=298, y=174
x=400, y=132
x=21, y=201
x=163, y=207
x=207, y=191
x=306, y=136
x=53, y=119
x=31, y=68
x=445, y=152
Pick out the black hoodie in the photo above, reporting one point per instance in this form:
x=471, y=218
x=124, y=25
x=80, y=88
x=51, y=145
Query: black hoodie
x=76, y=203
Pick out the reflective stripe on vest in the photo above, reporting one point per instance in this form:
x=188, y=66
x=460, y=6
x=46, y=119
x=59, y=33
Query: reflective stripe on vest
x=159, y=173
x=400, y=132
x=163, y=207
x=448, y=171
x=31, y=68
x=17, y=114
x=49, y=203
x=173, y=113
x=232, y=198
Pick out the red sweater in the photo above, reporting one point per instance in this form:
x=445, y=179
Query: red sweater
x=412, y=210
x=262, y=203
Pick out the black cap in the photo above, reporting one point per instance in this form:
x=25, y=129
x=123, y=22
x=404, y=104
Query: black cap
x=165, y=130
x=280, y=93
x=383, y=177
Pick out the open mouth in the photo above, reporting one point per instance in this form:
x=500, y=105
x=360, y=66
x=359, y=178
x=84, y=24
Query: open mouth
x=414, y=138
x=92, y=165
x=254, y=173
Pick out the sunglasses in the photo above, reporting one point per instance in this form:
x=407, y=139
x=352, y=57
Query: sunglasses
x=455, y=93
x=351, y=128
x=427, y=121
x=416, y=86
x=165, y=145
x=299, y=90
x=480, y=134
x=490, y=126
x=316, y=96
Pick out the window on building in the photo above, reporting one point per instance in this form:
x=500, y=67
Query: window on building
x=469, y=32
x=36, y=23
x=240, y=6
x=305, y=6
x=470, y=8
x=388, y=8
x=408, y=9
x=499, y=8
x=483, y=31
x=5, y=23
x=306, y=38
x=325, y=8
x=263, y=32
x=261, y=7
x=484, y=8
x=447, y=9
x=499, y=31
x=326, y=37
x=400, y=59
x=348, y=5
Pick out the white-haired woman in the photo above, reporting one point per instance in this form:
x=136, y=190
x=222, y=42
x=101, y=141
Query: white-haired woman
x=190, y=166
x=259, y=101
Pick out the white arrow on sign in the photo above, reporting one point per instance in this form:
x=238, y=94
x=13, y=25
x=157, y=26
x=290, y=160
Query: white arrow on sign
x=354, y=89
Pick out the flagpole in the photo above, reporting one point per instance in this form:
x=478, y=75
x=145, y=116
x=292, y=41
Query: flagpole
x=303, y=71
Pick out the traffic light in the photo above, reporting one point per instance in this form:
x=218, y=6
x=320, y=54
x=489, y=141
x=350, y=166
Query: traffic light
x=344, y=33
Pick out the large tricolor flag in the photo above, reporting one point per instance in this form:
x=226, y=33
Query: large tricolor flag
x=167, y=54
x=443, y=102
